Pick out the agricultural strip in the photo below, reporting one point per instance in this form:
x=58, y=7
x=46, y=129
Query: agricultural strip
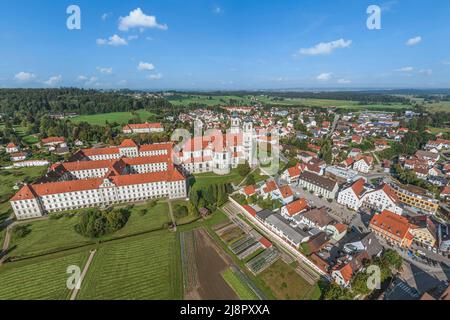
x=39, y=279
x=146, y=267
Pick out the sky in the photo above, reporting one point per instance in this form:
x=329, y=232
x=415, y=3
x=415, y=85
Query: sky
x=225, y=44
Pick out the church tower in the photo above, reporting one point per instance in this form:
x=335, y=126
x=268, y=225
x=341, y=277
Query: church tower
x=235, y=123
x=249, y=142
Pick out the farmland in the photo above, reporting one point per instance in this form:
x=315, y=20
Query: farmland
x=145, y=267
x=57, y=232
x=38, y=279
x=241, y=288
x=286, y=284
x=186, y=100
x=114, y=117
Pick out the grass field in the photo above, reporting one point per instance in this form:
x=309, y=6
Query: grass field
x=38, y=280
x=58, y=234
x=22, y=133
x=205, y=179
x=240, y=288
x=8, y=178
x=148, y=267
x=286, y=284
x=439, y=130
x=119, y=117
x=186, y=100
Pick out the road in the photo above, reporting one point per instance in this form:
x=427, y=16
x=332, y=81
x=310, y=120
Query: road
x=334, y=125
x=83, y=274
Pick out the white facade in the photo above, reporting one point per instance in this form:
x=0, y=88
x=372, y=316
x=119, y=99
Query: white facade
x=361, y=166
x=379, y=200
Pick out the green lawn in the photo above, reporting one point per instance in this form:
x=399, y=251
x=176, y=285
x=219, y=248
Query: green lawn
x=439, y=130
x=57, y=234
x=239, y=287
x=119, y=117
x=205, y=179
x=22, y=134
x=38, y=280
x=147, y=267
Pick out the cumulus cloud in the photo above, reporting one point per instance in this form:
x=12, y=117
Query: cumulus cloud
x=138, y=19
x=145, y=66
x=414, y=41
x=405, y=69
x=324, y=76
x=25, y=76
x=115, y=41
x=325, y=47
x=344, y=81
x=82, y=78
x=157, y=76
x=105, y=70
x=53, y=81
x=107, y=15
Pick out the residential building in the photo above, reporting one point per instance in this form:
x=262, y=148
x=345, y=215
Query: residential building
x=320, y=185
x=393, y=228
x=351, y=196
x=416, y=197
x=294, y=208
x=382, y=198
x=12, y=148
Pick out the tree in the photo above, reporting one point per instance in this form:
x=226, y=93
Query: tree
x=244, y=169
x=250, y=180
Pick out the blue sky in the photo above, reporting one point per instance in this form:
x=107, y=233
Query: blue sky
x=225, y=44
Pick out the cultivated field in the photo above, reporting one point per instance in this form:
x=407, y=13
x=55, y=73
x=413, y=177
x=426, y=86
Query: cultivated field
x=210, y=263
x=114, y=117
x=186, y=100
x=58, y=233
x=38, y=279
x=146, y=267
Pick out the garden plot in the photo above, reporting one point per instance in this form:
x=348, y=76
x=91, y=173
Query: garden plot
x=263, y=261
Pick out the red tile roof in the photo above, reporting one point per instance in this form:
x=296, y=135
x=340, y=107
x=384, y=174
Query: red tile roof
x=358, y=187
x=286, y=191
x=270, y=186
x=128, y=143
x=346, y=272
x=250, y=210
x=143, y=126
x=250, y=190
x=266, y=243
x=297, y=207
x=391, y=223
x=53, y=140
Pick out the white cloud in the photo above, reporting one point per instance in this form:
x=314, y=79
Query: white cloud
x=82, y=78
x=107, y=15
x=93, y=81
x=53, y=80
x=157, y=76
x=114, y=41
x=325, y=47
x=145, y=66
x=405, y=69
x=131, y=38
x=25, y=76
x=324, y=76
x=344, y=81
x=446, y=62
x=414, y=41
x=138, y=19
x=105, y=70
x=427, y=72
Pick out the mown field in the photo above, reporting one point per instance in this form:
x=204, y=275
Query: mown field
x=118, y=117
x=239, y=287
x=143, y=268
x=58, y=233
x=39, y=280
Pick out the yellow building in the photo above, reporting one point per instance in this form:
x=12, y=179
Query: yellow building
x=416, y=197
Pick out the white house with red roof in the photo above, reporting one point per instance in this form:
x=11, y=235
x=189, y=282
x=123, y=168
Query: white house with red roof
x=363, y=164
x=353, y=194
x=12, y=148
x=383, y=198
x=143, y=128
x=292, y=209
x=342, y=275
